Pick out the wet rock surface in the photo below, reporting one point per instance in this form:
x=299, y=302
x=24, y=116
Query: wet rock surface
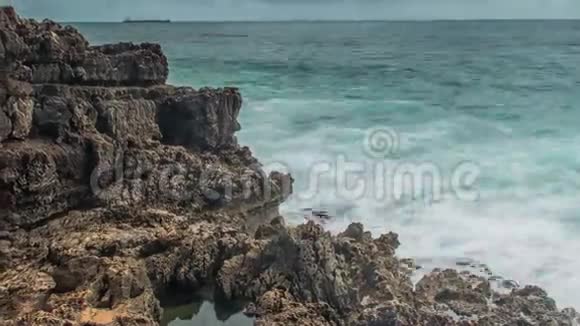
x=115, y=188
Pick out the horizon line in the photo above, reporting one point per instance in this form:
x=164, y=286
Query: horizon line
x=326, y=20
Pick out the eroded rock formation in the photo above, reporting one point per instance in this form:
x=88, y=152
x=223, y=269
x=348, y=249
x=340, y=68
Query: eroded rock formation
x=115, y=187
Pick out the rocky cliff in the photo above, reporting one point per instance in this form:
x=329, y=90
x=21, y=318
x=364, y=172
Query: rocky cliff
x=116, y=188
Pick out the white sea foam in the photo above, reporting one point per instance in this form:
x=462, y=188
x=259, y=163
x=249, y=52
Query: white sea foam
x=524, y=226
x=519, y=240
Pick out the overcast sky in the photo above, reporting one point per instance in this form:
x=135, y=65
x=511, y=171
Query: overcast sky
x=115, y=10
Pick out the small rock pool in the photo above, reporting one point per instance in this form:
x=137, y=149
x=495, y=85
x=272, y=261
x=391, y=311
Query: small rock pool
x=202, y=310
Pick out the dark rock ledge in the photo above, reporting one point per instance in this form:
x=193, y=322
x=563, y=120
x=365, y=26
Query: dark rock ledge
x=115, y=187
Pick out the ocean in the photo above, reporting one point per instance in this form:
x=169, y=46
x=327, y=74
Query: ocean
x=460, y=136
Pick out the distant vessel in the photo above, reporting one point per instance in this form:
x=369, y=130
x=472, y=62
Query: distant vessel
x=129, y=20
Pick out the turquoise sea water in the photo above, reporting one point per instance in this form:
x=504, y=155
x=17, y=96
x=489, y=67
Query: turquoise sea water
x=502, y=97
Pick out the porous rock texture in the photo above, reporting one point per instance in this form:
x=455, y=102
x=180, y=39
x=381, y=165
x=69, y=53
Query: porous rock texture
x=115, y=188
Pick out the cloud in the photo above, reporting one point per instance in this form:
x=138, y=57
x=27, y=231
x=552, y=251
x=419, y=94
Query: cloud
x=115, y=10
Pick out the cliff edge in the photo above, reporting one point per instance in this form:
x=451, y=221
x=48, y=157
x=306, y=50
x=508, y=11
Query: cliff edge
x=116, y=188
